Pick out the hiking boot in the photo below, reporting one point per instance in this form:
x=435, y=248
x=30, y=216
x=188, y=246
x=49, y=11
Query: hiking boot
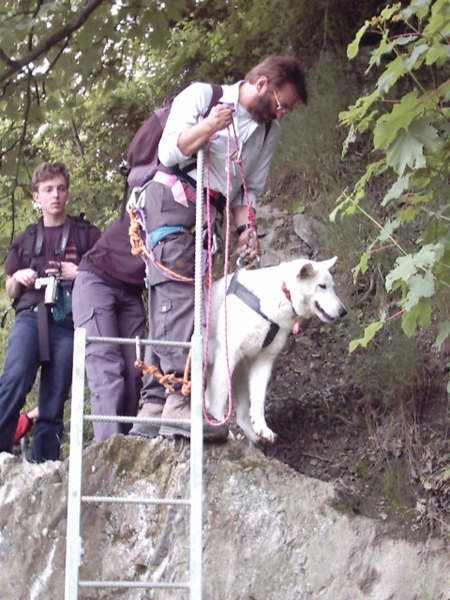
x=152, y=409
x=178, y=407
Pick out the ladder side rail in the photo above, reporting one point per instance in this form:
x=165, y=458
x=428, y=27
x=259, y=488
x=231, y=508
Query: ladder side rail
x=196, y=466
x=73, y=536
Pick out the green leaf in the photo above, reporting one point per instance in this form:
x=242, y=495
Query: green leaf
x=397, y=189
x=390, y=76
x=405, y=151
x=417, y=7
x=444, y=332
x=408, y=148
x=420, y=286
x=400, y=118
x=438, y=53
x=353, y=48
x=388, y=230
x=298, y=207
x=369, y=333
x=408, y=265
x=418, y=316
x=411, y=62
x=364, y=262
x=408, y=214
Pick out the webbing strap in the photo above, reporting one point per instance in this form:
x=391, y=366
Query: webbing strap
x=44, y=344
x=254, y=303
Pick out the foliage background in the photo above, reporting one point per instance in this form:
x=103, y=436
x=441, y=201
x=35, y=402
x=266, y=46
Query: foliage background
x=78, y=77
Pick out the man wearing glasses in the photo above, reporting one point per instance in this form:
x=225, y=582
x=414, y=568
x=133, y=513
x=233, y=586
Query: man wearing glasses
x=240, y=134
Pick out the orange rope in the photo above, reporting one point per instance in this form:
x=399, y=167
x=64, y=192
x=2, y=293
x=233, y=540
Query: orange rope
x=168, y=380
x=137, y=244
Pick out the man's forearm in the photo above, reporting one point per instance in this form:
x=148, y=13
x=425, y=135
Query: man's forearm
x=191, y=140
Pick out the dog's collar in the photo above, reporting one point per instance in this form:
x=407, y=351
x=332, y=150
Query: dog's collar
x=254, y=303
x=297, y=319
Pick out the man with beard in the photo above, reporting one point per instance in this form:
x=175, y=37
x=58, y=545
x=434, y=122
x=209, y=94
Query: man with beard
x=240, y=135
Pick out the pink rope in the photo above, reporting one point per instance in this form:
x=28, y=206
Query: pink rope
x=210, y=279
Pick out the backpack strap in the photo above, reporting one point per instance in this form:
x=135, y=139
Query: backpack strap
x=216, y=95
x=29, y=243
x=39, y=238
x=64, y=237
x=82, y=227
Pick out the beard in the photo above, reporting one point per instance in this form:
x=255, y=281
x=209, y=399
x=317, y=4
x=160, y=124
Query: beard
x=262, y=110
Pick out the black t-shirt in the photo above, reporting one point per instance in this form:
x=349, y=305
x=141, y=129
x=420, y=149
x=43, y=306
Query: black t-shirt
x=19, y=256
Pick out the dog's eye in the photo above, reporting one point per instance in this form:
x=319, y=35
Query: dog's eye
x=322, y=286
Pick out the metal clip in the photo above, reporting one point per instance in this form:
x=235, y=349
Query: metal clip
x=245, y=263
x=138, y=351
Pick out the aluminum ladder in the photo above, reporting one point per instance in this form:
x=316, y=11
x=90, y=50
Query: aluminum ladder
x=75, y=498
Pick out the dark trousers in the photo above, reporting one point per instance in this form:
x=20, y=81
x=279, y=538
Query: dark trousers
x=19, y=374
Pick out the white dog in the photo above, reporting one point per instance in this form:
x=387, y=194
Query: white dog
x=251, y=319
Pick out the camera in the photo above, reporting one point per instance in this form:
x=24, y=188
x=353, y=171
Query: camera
x=51, y=289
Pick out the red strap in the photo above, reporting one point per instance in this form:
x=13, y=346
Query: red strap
x=24, y=425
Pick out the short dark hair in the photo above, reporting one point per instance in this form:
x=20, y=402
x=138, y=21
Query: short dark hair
x=47, y=171
x=280, y=70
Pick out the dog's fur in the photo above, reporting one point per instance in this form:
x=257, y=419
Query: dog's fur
x=241, y=353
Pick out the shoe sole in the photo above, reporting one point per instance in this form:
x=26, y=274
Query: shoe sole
x=168, y=431
x=147, y=433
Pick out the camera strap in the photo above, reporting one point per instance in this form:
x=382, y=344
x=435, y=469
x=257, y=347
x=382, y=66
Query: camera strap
x=44, y=343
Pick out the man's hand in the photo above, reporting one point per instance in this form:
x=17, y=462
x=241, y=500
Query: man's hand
x=191, y=140
x=220, y=117
x=23, y=278
x=248, y=245
x=65, y=270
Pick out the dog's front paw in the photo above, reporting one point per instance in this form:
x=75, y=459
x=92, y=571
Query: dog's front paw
x=264, y=433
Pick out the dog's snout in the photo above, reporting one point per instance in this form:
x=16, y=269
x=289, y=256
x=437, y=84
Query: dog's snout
x=342, y=311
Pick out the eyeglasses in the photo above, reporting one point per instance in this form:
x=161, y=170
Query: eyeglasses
x=280, y=107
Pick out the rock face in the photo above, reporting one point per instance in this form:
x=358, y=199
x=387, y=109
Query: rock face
x=269, y=532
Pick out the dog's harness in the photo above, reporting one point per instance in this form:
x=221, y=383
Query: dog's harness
x=254, y=303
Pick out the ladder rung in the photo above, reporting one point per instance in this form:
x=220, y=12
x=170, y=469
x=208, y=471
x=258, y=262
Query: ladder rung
x=124, y=500
x=133, y=584
x=117, y=419
x=133, y=341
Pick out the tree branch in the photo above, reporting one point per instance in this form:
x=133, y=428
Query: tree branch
x=42, y=48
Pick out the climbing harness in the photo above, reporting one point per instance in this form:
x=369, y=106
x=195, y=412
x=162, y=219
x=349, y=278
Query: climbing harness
x=139, y=247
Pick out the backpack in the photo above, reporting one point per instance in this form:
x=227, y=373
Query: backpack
x=142, y=155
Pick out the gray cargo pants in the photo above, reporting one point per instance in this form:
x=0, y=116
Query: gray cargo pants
x=171, y=302
x=114, y=381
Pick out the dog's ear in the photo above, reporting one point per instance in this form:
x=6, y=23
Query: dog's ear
x=328, y=264
x=307, y=270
